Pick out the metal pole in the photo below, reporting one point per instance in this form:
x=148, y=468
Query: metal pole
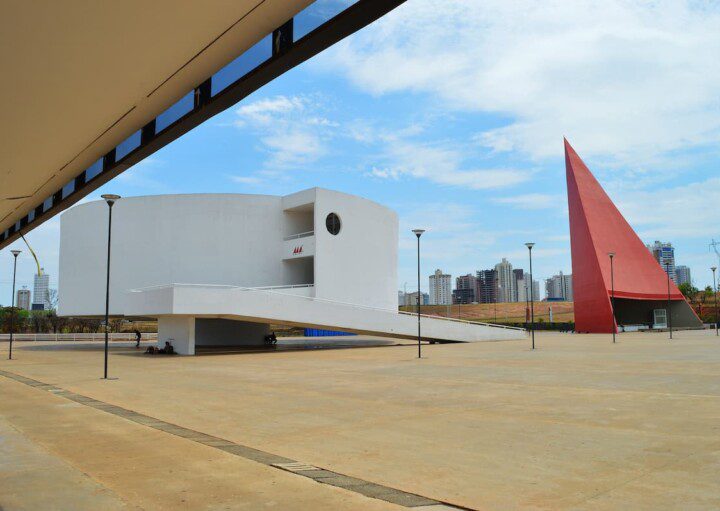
x=669, y=314
x=532, y=298
x=419, y=348
x=716, y=304
x=107, y=290
x=12, y=301
x=612, y=294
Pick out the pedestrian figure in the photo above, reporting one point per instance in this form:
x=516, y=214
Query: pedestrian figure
x=138, y=336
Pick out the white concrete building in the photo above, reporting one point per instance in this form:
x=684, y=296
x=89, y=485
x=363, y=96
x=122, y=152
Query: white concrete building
x=23, y=299
x=507, y=291
x=411, y=299
x=523, y=294
x=440, y=288
x=217, y=269
x=559, y=287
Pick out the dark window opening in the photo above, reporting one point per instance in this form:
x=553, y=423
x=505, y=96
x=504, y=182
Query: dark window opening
x=332, y=222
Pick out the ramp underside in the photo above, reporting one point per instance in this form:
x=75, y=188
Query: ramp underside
x=258, y=306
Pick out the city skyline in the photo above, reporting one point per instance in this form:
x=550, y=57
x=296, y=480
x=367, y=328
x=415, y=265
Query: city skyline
x=482, y=172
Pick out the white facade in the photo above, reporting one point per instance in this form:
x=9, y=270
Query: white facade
x=230, y=239
x=41, y=291
x=23, y=299
x=507, y=282
x=217, y=269
x=559, y=287
x=523, y=294
x=411, y=299
x=440, y=288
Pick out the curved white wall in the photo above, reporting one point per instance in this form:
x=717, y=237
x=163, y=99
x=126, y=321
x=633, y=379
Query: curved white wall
x=225, y=239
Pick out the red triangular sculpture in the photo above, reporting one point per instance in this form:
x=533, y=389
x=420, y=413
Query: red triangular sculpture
x=596, y=229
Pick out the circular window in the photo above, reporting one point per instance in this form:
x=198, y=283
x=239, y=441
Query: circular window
x=332, y=222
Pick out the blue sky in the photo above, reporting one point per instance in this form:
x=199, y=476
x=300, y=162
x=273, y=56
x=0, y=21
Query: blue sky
x=453, y=114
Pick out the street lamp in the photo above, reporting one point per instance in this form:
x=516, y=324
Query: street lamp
x=110, y=199
x=669, y=314
x=15, y=253
x=611, y=255
x=716, y=293
x=532, y=298
x=418, y=233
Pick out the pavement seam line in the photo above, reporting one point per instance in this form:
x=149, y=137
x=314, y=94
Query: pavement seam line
x=317, y=474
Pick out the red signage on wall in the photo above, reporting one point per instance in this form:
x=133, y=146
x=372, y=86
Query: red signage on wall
x=298, y=250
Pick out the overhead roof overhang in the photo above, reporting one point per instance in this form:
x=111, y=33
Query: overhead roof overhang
x=90, y=88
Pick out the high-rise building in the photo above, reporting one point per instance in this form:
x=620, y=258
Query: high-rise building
x=664, y=254
x=411, y=299
x=559, y=287
x=41, y=291
x=682, y=273
x=487, y=286
x=507, y=285
x=519, y=275
x=440, y=288
x=23, y=299
x=522, y=286
x=465, y=289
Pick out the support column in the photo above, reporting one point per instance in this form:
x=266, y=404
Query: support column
x=180, y=331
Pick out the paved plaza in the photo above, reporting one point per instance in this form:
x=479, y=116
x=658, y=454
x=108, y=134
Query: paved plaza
x=579, y=423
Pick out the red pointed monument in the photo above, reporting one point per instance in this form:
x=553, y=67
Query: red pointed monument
x=596, y=229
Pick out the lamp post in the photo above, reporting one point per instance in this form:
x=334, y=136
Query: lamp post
x=669, y=314
x=532, y=298
x=716, y=293
x=418, y=233
x=611, y=255
x=110, y=199
x=15, y=253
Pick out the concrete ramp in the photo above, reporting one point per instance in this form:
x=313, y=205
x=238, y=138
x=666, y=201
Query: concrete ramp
x=179, y=307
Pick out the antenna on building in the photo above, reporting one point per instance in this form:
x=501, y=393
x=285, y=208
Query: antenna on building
x=33, y=254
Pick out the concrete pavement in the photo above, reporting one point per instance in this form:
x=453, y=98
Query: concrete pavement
x=577, y=424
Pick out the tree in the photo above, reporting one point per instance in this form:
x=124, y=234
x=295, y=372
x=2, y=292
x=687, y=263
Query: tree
x=56, y=321
x=39, y=321
x=688, y=290
x=116, y=324
x=18, y=316
x=53, y=298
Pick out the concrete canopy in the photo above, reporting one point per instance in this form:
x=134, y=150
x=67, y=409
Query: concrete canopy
x=79, y=77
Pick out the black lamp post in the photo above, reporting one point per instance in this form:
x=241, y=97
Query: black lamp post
x=716, y=293
x=669, y=313
x=532, y=298
x=110, y=199
x=611, y=255
x=15, y=253
x=418, y=233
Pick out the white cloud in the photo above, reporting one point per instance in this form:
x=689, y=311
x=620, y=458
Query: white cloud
x=289, y=129
x=626, y=79
x=672, y=213
x=443, y=164
x=266, y=110
x=534, y=201
x=246, y=180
